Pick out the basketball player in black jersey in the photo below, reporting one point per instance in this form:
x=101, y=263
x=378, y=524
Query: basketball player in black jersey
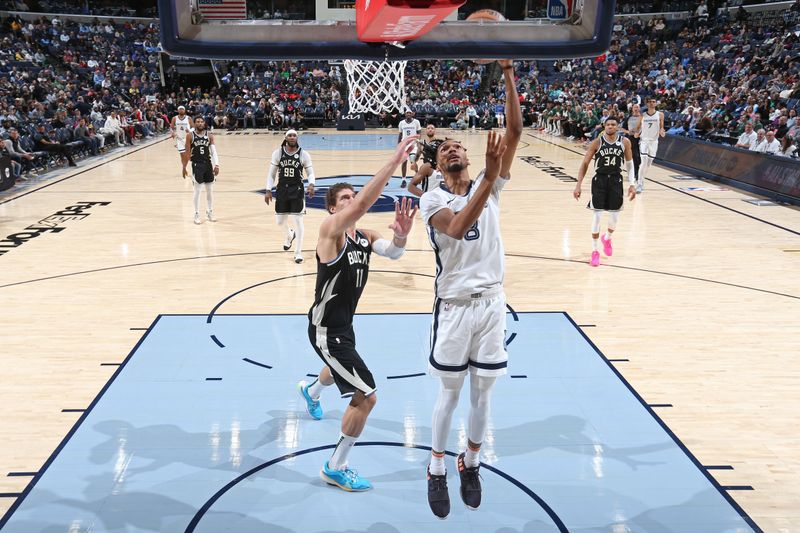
x=205, y=166
x=609, y=151
x=343, y=255
x=289, y=163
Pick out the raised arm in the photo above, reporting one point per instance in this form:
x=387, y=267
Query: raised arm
x=456, y=225
x=585, y=165
x=337, y=223
x=513, y=118
x=424, y=171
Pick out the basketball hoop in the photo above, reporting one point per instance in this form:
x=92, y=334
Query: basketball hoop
x=375, y=86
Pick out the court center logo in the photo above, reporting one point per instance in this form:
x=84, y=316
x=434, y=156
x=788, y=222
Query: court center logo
x=391, y=193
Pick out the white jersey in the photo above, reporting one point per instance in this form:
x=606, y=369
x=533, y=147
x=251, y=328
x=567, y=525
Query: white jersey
x=182, y=126
x=432, y=182
x=409, y=128
x=476, y=263
x=651, y=126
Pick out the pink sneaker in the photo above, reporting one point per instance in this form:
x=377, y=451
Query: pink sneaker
x=595, y=259
x=607, y=249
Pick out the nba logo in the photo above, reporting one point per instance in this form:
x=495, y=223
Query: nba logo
x=559, y=9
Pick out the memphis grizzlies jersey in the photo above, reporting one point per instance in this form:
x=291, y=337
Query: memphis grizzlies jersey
x=431, y=182
x=651, y=125
x=182, y=126
x=475, y=263
x=609, y=157
x=201, y=155
x=409, y=128
x=340, y=284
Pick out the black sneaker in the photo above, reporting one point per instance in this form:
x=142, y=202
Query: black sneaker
x=438, y=497
x=470, y=483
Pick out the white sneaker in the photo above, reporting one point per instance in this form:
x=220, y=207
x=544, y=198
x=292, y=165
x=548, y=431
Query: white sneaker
x=210, y=216
x=298, y=259
x=197, y=219
x=287, y=244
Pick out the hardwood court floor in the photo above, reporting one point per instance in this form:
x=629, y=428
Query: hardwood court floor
x=700, y=300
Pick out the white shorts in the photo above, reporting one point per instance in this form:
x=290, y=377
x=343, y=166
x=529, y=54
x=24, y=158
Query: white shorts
x=648, y=147
x=469, y=335
x=180, y=144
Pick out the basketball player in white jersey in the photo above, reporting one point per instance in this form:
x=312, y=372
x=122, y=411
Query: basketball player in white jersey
x=199, y=146
x=469, y=313
x=425, y=140
x=180, y=125
x=610, y=152
x=408, y=127
x=343, y=256
x=289, y=163
x=651, y=127
x=428, y=177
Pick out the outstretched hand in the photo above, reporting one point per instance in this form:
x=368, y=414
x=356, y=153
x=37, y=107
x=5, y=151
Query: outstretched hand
x=403, y=217
x=404, y=148
x=495, y=148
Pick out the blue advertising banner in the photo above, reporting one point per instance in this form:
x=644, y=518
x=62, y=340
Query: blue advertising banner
x=768, y=175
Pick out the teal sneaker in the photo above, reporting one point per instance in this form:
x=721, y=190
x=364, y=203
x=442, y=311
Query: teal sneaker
x=312, y=406
x=347, y=479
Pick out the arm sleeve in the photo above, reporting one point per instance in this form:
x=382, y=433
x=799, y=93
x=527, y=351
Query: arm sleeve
x=307, y=166
x=386, y=248
x=214, y=158
x=430, y=204
x=273, y=169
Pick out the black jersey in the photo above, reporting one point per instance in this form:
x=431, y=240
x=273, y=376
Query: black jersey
x=201, y=151
x=290, y=168
x=610, y=156
x=340, y=284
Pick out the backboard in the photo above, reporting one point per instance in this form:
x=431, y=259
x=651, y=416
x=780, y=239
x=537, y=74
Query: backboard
x=326, y=30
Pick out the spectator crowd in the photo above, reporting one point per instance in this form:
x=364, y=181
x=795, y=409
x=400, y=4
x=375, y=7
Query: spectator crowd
x=77, y=89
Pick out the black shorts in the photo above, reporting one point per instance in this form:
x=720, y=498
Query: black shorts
x=607, y=192
x=289, y=199
x=203, y=173
x=337, y=349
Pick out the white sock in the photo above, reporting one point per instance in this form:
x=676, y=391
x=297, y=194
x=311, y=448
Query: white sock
x=209, y=197
x=607, y=236
x=472, y=458
x=298, y=225
x=339, y=458
x=437, y=467
x=595, y=244
x=196, y=197
x=315, y=389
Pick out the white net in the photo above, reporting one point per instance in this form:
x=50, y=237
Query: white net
x=375, y=86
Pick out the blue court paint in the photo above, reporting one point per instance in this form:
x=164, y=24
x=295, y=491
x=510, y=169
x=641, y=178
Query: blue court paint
x=572, y=447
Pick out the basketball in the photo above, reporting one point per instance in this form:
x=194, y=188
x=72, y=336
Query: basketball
x=489, y=15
